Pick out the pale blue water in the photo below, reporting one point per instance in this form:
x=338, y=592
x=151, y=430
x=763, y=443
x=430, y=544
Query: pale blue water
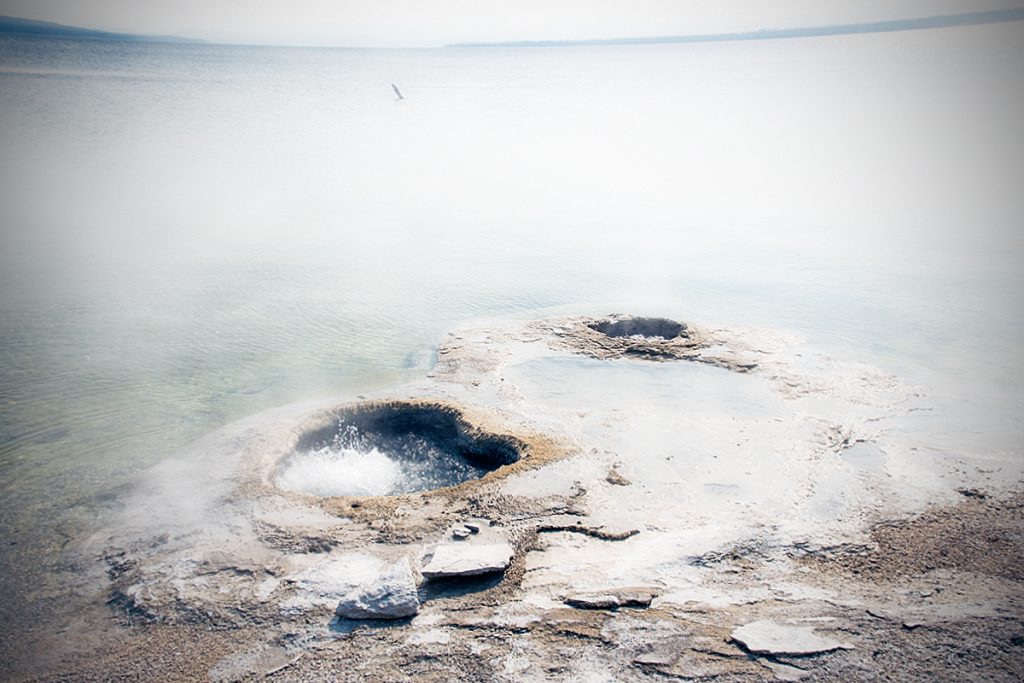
x=191, y=234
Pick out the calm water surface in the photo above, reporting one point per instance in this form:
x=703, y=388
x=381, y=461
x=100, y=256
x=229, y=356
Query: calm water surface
x=190, y=234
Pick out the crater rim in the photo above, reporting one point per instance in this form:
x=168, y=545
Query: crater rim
x=441, y=428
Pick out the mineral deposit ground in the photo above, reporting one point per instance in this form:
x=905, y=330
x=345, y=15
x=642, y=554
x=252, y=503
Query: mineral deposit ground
x=605, y=499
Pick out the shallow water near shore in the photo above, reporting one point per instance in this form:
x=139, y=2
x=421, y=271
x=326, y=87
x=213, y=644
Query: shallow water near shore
x=190, y=235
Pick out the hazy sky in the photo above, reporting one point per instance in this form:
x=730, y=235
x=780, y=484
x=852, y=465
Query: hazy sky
x=435, y=22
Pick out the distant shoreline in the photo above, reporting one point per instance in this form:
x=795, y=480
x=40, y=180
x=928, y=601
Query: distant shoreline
x=942, y=21
x=15, y=26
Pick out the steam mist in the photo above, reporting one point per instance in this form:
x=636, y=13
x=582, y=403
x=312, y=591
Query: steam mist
x=192, y=234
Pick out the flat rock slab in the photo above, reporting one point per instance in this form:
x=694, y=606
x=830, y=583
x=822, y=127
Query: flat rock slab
x=392, y=595
x=592, y=601
x=658, y=656
x=612, y=599
x=785, y=672
x=772, y=638
x=464, y=559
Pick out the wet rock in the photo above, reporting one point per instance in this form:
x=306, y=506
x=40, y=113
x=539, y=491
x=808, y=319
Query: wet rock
x=772, y=638
x=392, y=596
x=467, y=559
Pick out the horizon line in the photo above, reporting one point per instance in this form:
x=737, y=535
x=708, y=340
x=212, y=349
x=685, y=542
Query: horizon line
x=886, y=26
x=48, y=29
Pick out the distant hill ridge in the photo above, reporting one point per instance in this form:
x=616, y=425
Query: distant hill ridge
x=31, y=27
x=943, y=21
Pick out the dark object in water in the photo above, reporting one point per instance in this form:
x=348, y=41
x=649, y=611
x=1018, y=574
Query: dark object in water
x=643, y=327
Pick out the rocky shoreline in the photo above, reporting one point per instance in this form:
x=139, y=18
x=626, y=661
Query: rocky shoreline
x=704, y=518
x=959, y=622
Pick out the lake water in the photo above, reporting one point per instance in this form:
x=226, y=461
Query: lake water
x=192, y=234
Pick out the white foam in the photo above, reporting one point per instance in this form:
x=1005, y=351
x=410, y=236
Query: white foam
x=341, y=472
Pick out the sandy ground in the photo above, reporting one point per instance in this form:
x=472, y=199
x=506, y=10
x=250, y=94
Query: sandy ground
x=761, y=482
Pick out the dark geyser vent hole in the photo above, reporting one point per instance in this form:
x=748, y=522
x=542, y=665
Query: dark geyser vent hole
x=641, y=327
x=393, y=448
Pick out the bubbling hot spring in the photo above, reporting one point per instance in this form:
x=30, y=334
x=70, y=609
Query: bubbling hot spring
x=640, y=327
x=393, y=448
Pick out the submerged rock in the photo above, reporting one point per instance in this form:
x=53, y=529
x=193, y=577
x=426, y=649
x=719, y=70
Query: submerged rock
x=772, y=638
x=392, y=596
x=465, y=559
